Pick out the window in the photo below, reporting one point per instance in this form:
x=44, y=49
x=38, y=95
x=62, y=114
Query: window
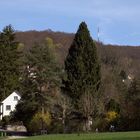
x=8, y=107
x=15, y=98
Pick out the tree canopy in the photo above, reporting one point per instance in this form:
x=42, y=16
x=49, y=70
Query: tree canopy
x=9, y=64
x=82, y=65
x=40, y=78
x=83, y=74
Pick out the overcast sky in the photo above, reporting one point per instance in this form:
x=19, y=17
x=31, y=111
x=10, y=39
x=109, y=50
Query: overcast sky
x=118, y=20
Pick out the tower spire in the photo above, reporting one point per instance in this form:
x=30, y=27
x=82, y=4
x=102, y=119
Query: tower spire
x=98, y=34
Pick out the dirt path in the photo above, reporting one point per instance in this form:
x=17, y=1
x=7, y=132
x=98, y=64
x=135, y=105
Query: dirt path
x=14, y=137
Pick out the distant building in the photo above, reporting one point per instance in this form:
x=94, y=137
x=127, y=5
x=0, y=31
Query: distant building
x=9, y=104
x=130, y=77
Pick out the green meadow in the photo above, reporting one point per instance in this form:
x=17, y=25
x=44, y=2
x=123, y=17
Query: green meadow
x=92, y=136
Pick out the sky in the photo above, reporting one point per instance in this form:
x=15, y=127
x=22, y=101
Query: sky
x=118, y=20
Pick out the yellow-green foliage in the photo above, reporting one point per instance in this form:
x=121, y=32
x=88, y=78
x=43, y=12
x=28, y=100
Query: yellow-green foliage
x=111, y=116
x=50, y=43
x=21, y=47
x=40, y=121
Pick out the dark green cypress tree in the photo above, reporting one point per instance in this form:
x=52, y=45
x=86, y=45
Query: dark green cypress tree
x=9, y=64
x=83, y=76
x=81, y=65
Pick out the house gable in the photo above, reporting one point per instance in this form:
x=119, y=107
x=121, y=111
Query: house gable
x=9, y=104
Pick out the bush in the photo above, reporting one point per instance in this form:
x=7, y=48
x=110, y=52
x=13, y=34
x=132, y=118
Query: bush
x=111, y=116
x=40, y=122
x=100, y=123
x=56, y=127
x=6, y=120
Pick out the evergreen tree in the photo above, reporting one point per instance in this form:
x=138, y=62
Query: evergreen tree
x=83, y=73
x=40, y=80
x=9, y=64
x=82, y=65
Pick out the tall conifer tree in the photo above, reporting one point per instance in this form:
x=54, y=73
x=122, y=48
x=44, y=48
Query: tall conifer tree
x=9, y=70
x=83, y=75
x=82, y=65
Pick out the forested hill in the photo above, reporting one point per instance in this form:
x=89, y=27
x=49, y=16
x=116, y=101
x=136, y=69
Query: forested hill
x=28, y=38
x=124, y=57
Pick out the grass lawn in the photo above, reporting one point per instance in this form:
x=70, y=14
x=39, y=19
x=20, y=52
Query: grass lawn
x=1, y=138
x=94, y=136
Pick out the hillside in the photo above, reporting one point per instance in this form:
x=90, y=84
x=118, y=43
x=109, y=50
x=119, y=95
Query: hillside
x=30, y=37
x=114, y=59
x=64, y=40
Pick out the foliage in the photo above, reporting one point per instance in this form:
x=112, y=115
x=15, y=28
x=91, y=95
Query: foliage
x=40, y=122
x=113, y=106
x=40, y=79
x=131, y=111
x=5, y=121
x=123, y=74
x=9, y=64
x=134, y=90
x=81, y=65
x=25, y=111
x=100, y=123
x=83, y=71
x=61, y=110
x=56, y=127
x=39, y=82
x=111, y=116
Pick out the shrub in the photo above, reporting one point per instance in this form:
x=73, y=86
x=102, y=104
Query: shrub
x=111, y=116
x=40, y=121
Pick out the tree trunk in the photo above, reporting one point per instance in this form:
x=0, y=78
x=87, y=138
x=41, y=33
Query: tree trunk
x=87, y=124
x=63, y=119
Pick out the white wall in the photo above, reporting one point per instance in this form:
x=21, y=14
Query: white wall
x=10, y=101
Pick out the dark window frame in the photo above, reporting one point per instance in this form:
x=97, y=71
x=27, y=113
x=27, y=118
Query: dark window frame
x=15, y=98
x=8, y=107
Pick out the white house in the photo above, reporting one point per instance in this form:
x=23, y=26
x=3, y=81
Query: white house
x=9, y=104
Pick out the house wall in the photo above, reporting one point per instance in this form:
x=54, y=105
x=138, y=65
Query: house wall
x=11, y=102
x=1, y=110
